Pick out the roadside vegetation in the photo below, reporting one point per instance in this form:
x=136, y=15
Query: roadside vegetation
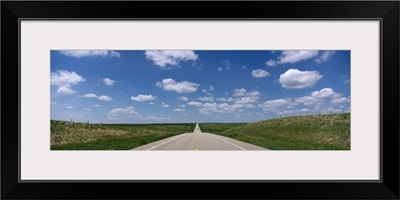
x=217, y=127
x=81, y=136
x=311, y=132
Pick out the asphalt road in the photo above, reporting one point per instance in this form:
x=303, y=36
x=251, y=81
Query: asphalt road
x=198, y=141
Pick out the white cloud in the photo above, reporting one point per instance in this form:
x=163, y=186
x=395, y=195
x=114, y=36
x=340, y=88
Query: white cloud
x=155, y=118
x=122, y=111
x=243, y=66
x=95, y=105
x=219, y=69
x=325, y=56
x=324, y=94
x=292, y=56
x=142, y=97
x=129, y=112
x=227, y=64
x=65, y=89
x=230, y=99
x=90, y=95
x=248, y=101
x=101, y=97
x=209, y=99
x=88, y=53
x=274, y=105
x=340, y=100
x=164, y=105
x=296, y=79
x=194, y=103
x=69, y=107
x=108, y=81
x=320, y=96
x=152, y=103
x=104, y=98
x=209, y=108
x=239, y=92
x=345, y=79
x=259, y=73
x=183, y=98
x=178, y=110
x=64, y=80
x=170, y=84
x=270, y=63
x=317, y=101
x=164, y=58
x=211, y=88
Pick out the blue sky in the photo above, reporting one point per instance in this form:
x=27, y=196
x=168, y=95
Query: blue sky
x=157, y=86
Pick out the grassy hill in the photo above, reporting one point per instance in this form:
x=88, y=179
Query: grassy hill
x=312, y=132
x=81, y=136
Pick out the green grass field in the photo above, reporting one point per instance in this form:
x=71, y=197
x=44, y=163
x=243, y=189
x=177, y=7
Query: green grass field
x=80, y=136
x=313, y=132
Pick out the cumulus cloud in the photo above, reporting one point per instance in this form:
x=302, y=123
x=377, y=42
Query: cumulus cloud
x=209, y=108
x=178, y=110
x=230, y=99
x=239, y=92
x=345, y=79
x=182, y=98
x=108, y=81
x=65, y=89
x=219, y=69
x=143, y=97
x=101, y=97
x=129, y=112
x=324, y=56
x=69, y=107
x=227, y=64
x=292, y=56
x=259, y=73
x=194, y=103
x=271, y=63
x=90, y=95
x=172, y=58
x=64, y=80
x=211, y=88
x=104, y=98
x=316, y=101
x=209, y=99
x=276, y=104
x=122, y=111
x=170, y=84
x=296, y=79
x=89, y=53
x=164, y=105
x=320, y=96
x=340, y=100
x=248, y=100
x=324, y=94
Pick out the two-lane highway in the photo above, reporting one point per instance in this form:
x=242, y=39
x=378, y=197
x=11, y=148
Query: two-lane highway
x=198, y=141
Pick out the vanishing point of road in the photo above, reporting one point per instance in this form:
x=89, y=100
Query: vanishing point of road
x=198, y=141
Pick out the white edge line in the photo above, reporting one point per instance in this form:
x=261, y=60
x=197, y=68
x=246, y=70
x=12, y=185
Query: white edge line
x=227, y=141
x=166, y=142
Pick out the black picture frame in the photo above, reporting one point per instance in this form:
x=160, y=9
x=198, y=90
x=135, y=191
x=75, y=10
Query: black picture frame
x=386, y=11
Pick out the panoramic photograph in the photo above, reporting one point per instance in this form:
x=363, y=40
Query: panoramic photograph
x=200, y=100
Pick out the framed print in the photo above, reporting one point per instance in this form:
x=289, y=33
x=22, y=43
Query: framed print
x=282, y=95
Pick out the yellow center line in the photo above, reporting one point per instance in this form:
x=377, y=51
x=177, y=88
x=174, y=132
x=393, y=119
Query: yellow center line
x=197, y=141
